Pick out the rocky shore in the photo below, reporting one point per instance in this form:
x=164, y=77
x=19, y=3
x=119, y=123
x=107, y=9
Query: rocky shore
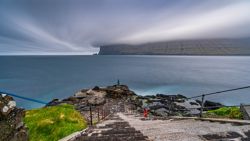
x=111, y=97
x=102, y=101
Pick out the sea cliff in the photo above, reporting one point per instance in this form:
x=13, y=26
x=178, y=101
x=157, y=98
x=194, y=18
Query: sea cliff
x=182, y=47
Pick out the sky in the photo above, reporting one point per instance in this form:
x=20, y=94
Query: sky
x=68, y=27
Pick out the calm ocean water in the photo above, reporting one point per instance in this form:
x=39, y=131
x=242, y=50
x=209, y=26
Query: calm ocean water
x=48, y=77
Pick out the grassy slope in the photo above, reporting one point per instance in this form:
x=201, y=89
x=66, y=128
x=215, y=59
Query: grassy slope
x=225, y=112
x=53, y=123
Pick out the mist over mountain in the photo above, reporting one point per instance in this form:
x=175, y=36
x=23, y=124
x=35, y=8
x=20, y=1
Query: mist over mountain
x=239, y=46
x=62, y=27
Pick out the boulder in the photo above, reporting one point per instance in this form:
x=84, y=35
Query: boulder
x=96, y=88
x=96, y=100
x=118, y=91
x=211, y=105
x=165, y=105
x=53, y=102
x=81, y=94
x=7, y=104
x=162, y=112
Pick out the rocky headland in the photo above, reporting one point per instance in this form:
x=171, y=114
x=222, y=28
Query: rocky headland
x=102, y=101
x=118, y=98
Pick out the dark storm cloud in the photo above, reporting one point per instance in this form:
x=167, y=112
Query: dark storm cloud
x=74, y=27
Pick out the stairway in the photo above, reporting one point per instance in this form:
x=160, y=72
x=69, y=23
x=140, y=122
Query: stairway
x=113, y=129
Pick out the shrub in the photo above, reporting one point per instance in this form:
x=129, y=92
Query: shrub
x=225, y=112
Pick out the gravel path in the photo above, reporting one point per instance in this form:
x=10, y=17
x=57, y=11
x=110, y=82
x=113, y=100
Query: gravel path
x=184, y=130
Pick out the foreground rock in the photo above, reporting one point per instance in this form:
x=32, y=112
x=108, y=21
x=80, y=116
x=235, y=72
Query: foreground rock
x=11, y=126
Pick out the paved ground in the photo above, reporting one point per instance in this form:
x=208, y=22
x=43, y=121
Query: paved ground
x=187, y=130
x=131, y=127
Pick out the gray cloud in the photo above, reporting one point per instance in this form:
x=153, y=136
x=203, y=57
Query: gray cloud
x=75, y=27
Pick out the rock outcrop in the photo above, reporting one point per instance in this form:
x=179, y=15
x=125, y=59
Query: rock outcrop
x=211, y=104
x=96, y=95
x=169, y=105
x=111, y=96
x=12, y=127
x=102, y=99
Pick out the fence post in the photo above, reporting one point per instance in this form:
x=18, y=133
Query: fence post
x=103, y=114
x=90, y=113
x=202, y=104
x=98, y=114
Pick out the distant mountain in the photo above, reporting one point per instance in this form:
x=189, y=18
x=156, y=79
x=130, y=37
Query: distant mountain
x=184, y=47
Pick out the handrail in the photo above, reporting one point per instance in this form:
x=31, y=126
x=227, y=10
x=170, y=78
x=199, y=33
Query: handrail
x=25, y=98
x=219, y=92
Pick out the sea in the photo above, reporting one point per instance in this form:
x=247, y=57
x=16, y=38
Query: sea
x=48, y=77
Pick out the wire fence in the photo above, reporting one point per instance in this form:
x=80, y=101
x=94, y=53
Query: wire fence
x=25, y=98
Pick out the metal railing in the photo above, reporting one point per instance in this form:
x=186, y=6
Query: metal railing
x=101, y=111
x=97, y=114
x=23, y=97
x=215, y=93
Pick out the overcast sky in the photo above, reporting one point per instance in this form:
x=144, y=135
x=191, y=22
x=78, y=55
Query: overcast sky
x=77, y=26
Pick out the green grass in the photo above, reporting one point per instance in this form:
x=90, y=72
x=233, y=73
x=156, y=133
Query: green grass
x=53, y=123
x=225, y=112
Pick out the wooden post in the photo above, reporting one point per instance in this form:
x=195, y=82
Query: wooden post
x=98, y=116
x=202, y=104
x=90, y=113
x=102, y=113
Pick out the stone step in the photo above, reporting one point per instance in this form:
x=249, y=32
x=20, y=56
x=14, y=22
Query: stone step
x=110, y=138
x=118, y=135
x=116, y=126
x=119, y=130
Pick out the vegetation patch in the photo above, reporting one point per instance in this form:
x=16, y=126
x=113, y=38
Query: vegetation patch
x=53, y=123
x=225, y=112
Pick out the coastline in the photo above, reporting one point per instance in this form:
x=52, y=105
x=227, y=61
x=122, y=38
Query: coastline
x=99, y=103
